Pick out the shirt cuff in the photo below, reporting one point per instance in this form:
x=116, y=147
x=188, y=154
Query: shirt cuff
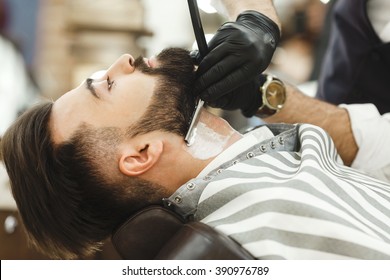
x=372, y=132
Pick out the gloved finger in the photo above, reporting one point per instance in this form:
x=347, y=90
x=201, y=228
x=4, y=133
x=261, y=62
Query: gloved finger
x=220, y=103
x=216, y=73
x=195, y=56
x=218, y=48
x=215, y=55
x=230, y=63
x=223, y=59
x=229, y=83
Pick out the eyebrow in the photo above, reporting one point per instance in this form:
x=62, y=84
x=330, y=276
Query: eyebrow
x=91, y=88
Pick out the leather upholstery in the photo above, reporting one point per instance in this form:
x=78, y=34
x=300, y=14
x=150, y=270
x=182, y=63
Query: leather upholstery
x=158, y=233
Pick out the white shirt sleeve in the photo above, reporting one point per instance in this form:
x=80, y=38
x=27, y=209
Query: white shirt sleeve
x=372, y=134
x=378, y=12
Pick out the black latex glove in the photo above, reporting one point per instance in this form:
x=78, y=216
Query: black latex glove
x=247, y=98
x=239, y=52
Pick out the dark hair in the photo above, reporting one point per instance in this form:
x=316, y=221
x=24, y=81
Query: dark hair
x=68, y=206
x=68, y=197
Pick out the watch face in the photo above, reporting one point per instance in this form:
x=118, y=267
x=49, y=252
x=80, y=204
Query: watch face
x=275, y=95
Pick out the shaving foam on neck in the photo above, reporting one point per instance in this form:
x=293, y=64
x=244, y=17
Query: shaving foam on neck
x=207, y=142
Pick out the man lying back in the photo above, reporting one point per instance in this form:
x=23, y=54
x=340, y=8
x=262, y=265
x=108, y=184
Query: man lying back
x=81, y=165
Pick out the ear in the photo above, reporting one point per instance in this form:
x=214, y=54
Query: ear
x=137, y=160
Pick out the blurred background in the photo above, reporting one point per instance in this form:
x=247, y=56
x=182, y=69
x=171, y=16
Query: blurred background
x=58, y=43
x=48, y=47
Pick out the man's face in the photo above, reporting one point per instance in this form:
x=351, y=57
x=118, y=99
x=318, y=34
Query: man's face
x=116, y=99
x=121, y=96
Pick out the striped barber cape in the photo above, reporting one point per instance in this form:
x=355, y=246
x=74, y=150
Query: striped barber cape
x=300, y=204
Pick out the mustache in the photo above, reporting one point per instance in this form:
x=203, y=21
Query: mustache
x=140, y=64
x=172, y=61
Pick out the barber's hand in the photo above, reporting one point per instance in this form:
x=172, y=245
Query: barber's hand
x=239, y=52
x=246, y=97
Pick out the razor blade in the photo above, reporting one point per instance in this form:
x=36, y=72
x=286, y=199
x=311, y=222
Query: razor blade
x=203, y=50
x=190, y=137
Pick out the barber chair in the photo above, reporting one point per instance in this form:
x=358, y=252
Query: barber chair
x=158, y=233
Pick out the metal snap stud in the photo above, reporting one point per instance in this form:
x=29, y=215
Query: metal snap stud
x=250, y=155
x=191, y=186
x=178, y=199
x=263, y=148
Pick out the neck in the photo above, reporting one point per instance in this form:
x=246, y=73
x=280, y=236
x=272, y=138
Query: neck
x=213, y=136
x=181, y=163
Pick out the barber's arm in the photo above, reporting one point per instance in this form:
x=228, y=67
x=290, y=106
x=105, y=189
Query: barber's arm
x=300, y=108
x=239, y=51
x=232, y=8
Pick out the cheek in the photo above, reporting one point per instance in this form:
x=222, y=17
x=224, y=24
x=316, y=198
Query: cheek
x=129, y=99
x=128, y=109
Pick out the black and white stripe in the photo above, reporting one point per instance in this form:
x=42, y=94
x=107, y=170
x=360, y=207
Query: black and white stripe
x=300, y=205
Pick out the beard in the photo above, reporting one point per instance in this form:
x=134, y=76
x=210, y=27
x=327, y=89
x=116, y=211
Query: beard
x=172, y=103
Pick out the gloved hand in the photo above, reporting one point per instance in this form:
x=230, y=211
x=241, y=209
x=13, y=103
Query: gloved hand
x=246, y=97
x=239, y=52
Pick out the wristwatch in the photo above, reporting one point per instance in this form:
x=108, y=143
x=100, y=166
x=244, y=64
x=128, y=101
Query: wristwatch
x=273, y=95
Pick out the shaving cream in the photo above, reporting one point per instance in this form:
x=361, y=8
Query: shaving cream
x=207, y=142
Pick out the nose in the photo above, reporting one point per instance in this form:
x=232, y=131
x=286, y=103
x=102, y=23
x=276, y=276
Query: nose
x=123, y=65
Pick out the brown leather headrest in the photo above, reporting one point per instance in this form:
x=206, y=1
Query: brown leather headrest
x=198, y=241
x=158, y=233
x=143, y=235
